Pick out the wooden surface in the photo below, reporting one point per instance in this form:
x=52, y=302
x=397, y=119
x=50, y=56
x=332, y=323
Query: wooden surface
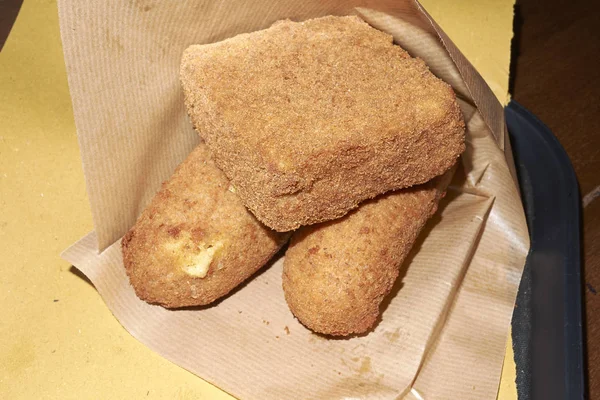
x=557, y=78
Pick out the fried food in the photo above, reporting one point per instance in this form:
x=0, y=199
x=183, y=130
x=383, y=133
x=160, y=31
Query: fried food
x=196, y=241
x=308, y=119
x=336, y=274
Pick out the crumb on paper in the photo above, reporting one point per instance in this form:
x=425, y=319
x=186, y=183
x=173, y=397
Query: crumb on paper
x=287, y=330
x=392, y=336
x=365, y=365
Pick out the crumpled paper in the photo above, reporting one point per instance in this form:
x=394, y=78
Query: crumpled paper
x=443, y=329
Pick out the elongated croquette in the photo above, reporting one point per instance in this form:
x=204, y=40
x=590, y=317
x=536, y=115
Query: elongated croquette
x=337, y=273
x=196, y=241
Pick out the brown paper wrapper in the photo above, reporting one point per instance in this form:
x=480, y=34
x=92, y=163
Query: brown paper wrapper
x=443, y=330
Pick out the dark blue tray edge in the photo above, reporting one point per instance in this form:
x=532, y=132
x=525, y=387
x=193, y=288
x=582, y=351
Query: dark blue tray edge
x=548, y=344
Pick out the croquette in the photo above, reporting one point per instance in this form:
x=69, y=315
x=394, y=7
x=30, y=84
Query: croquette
x=196, y=241
x=337, y=273
x=308, y=119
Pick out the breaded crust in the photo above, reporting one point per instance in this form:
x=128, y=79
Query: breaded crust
x=336, y=274
x=309, y=119
x=196, y=241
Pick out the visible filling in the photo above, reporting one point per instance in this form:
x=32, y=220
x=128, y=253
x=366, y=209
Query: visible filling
x=194, y=259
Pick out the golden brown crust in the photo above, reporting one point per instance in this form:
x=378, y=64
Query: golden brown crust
x=309, y=119
x=336, y=274
x=195, y=225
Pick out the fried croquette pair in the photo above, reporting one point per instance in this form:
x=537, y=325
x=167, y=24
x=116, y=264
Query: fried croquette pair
x=308, y=119
x=196, y=242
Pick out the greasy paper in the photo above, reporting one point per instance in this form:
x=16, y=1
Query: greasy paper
x=443, y=332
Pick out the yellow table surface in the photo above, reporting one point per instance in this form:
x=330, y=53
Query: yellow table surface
x=59, y=340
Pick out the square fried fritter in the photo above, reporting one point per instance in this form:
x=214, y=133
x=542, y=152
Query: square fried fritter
x=308, y=119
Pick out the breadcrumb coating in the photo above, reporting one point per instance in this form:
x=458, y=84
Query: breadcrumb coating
x=196, y=241
x=336, y=274
x=308, y=119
